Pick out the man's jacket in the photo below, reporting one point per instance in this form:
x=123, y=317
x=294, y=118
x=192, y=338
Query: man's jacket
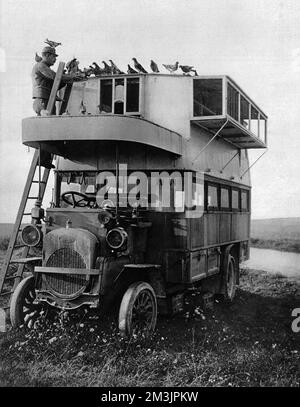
x=42, y=80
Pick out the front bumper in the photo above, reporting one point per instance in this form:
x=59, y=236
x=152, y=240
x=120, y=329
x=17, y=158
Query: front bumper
x=59, y=295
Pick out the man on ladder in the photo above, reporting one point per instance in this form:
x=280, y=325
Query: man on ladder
x=42, y=82
x=43, y=78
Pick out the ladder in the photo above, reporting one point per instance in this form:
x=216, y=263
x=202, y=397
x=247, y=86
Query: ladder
x=26, y=259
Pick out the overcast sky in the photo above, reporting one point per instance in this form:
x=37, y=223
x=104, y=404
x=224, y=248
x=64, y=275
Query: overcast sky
x=255, y=42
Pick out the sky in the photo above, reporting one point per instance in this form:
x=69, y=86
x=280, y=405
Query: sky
x=256, y=43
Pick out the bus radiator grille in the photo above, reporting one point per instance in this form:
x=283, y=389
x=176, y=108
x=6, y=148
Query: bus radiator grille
x=66, y=284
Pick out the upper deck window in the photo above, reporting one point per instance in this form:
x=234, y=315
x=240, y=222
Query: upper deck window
x=207, y=97
x=120, y=95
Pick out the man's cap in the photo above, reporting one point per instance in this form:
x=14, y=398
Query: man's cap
x=50, y=50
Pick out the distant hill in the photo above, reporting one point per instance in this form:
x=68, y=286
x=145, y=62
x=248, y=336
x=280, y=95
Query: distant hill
x=6, y=229
x=276, y=229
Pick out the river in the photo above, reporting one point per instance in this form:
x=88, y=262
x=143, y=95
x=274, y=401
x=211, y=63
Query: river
x=274, y=261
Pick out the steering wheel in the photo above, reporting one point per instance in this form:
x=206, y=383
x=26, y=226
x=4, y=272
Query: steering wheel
x=69, y=198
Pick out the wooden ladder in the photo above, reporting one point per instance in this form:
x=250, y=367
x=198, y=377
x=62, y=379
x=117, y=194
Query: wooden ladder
x=26, y=260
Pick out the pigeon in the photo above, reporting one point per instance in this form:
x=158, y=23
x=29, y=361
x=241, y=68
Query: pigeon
x=89, y=71
x=107, y=69
x=52, y=43
x=138, y=66
x=154, y=66
x=82, y=108
x=114, y=68
x=97, y=69
x=187, y=69
x=72, y=66
x=131, y=70
x=171, y=68
x=37, y=57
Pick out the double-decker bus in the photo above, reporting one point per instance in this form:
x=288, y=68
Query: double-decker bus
x=151, y=196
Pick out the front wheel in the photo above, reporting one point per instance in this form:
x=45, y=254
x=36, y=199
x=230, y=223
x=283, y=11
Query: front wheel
x=23, y=311
x=138, y=310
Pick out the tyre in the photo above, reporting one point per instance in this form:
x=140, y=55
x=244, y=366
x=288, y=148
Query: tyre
x=138, y=310
x=22, y=309
x=229, y=279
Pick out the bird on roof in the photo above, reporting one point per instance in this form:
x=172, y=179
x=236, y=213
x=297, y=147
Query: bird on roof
x=82, y=108
x=114, y=68
x=89, y=71
x=138, y=66
x=131, y=70
x=37, y=57
x=171, y=68
x=97, y=69
x=72, y=66
x=154, y=66
x=107, y=69
x=52, y=43
x=186, y=69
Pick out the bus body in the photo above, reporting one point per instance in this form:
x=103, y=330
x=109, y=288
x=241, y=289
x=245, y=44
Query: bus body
x=152, y=194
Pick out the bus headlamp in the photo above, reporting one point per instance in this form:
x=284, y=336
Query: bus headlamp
x=31, y=235
x=116, y=238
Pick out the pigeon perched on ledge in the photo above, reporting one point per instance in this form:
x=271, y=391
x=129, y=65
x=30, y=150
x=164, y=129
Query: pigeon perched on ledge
x=107, y=69
x=97, y=70
x=138, y=66
x=72, y=66
x=115, y=69
x=154, y=67
x=131, y=70
x=187, y=69
x=171, y=68
x=52, y=43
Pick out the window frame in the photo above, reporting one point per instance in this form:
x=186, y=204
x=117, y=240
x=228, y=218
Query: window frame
x=211, y=208
x=247, y=200
x=238, y=190
x=125, y=78
x=228, y=188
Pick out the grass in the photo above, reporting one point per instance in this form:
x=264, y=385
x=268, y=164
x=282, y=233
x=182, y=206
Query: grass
x=286, y=245
x=247, y=343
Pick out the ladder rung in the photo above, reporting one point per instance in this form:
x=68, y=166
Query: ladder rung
x=32, y=197
x=6, y=293
x=41, y=182
x=26, y=213
x=18, y=246
x=11, y=278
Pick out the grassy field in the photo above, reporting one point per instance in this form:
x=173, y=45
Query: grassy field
x=277, y=234
x=248, y=343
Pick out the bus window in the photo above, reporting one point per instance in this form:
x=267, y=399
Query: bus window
x=244, y=201
x=232, y=102
x=133, y=93
x=225, y=202
x=106, y=96
x=235, y=201
x=207, y=97
x=212, y=197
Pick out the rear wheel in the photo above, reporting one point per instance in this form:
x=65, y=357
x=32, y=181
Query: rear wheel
x=138, y=310
x=230, y=279
x=23, y=311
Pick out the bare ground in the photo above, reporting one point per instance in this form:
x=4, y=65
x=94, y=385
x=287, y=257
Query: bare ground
x=247, y=343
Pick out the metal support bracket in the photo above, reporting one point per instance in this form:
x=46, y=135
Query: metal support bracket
x=252, y=164
x=206, y=145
